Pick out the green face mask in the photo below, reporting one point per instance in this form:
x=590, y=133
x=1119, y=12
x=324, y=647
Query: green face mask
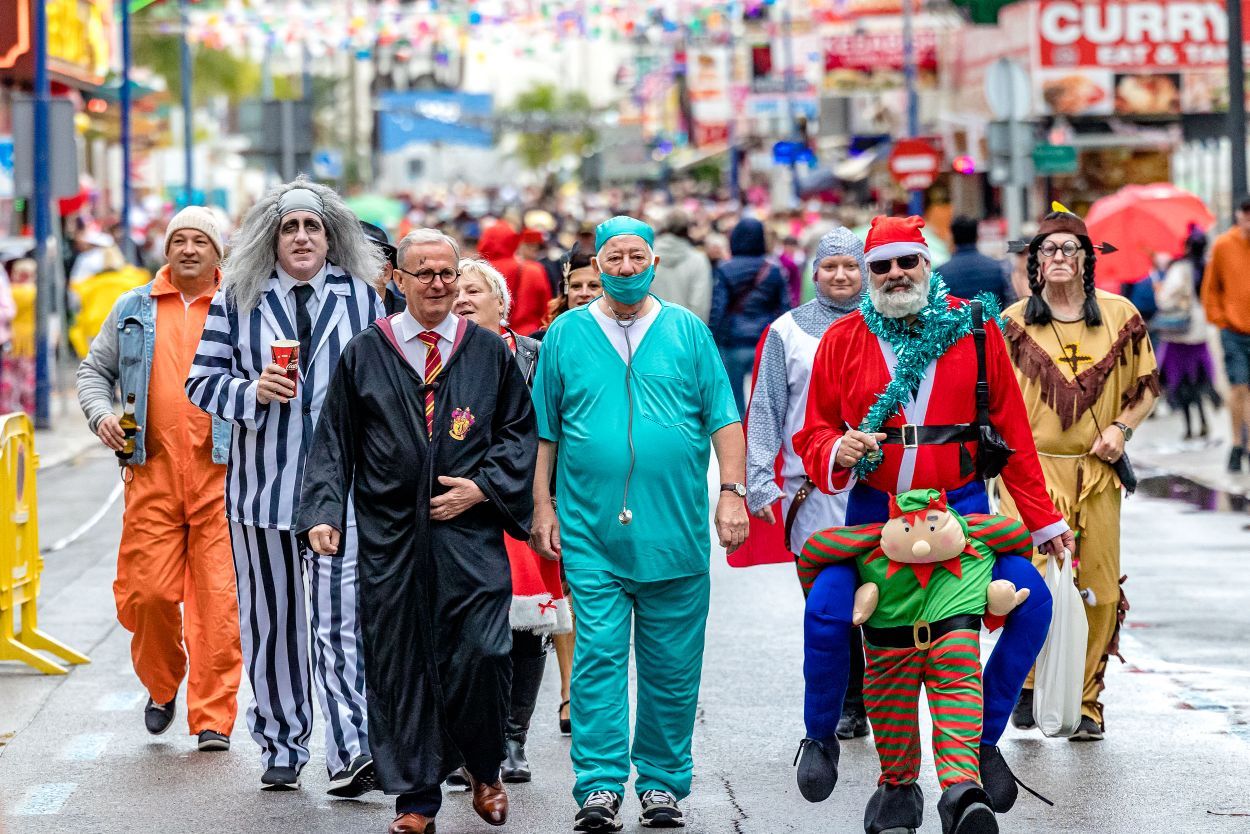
x=630, y=289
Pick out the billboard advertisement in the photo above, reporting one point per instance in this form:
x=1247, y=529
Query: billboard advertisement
x=429, y=116
x=1131, y=57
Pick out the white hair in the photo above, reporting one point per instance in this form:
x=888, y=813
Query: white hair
x=420, y=237
x=494, y=280
x=253, y=251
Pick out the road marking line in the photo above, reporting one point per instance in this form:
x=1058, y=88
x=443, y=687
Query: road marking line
x=62, y=543
x=119, y=701
x=44, y=799
x=86, y=748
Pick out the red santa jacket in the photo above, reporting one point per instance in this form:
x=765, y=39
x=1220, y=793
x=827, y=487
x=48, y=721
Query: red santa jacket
x=851, y=369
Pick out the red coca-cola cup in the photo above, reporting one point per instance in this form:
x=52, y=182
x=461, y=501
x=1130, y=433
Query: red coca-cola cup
x=285, y=352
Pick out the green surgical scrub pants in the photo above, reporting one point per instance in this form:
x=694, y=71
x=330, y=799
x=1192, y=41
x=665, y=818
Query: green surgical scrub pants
x=668, y=618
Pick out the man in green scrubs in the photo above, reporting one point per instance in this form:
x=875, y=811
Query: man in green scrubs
x=629, y=391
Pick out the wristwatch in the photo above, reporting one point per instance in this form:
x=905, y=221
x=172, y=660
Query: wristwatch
x=1128, y=431
x=739, y=490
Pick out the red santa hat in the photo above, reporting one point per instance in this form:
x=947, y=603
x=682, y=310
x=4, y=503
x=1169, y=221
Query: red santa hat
x=893, y=237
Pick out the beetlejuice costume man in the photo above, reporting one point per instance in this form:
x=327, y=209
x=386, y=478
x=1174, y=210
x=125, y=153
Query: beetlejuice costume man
x=892, y=407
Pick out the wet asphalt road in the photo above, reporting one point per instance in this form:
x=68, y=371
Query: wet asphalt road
x=75, y=756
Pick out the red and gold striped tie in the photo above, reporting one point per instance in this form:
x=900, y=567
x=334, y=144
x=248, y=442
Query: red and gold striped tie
x=433, y=366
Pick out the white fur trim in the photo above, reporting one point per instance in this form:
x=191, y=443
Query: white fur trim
x=887, y=251
x=541, y=614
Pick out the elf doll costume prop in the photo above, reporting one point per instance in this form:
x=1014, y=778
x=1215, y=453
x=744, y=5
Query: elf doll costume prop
x=927, y=583
x=892, y=399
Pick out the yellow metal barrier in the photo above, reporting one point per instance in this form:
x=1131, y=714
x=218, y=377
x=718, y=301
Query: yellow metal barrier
x=20, y=562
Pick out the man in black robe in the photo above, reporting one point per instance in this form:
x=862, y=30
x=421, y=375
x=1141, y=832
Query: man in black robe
x=428, y=425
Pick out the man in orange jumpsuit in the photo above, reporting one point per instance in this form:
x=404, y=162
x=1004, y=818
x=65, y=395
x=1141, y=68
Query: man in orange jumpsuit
x=175, y=543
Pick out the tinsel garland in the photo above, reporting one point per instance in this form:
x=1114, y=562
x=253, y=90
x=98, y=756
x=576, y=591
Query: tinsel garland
x=936, y=328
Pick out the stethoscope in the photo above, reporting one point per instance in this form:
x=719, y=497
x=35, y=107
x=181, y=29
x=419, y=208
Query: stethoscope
x=627, y=515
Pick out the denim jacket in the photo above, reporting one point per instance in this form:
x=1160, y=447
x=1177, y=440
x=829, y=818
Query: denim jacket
x=121, y=356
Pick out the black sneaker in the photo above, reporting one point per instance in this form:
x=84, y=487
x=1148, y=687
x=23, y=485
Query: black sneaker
x=158, y=717
x=659, y=810
x=355, y=779
x=1087, y=730
x=211, y=740
x=1022, y=712
x=280, y=779
x=1234, y=458
x=600, y=812
x=818, y=768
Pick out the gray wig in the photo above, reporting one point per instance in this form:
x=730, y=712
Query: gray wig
x=252, y=258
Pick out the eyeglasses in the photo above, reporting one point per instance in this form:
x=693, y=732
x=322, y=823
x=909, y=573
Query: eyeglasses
x=1069, y=249
x=903, y=261
x=426, y=276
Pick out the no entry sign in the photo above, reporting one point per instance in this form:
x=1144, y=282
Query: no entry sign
x=914, y=163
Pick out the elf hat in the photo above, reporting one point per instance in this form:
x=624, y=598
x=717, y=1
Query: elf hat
x=894, y=237
x=917, y=502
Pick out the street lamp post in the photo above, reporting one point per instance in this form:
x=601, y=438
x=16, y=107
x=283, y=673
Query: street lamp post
x=915, y=204
x=125, y=127
x=1236, y=101
x=44, y=240
x=188, y=130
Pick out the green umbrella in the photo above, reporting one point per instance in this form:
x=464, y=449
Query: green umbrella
x=937, y=247
x=376, y=209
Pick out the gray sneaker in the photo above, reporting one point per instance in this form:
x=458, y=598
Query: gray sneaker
x=600, y=812
x=659, y=810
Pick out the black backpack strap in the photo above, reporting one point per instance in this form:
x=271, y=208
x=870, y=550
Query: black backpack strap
x=983, y=385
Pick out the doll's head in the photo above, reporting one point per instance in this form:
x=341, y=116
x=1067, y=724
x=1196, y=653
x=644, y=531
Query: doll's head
x=922, y=528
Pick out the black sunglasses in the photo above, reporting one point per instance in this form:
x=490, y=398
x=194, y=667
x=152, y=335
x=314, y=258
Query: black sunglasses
x=903, y=261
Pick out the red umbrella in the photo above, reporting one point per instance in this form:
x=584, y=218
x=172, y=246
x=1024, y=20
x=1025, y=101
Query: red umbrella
x=1140, y=220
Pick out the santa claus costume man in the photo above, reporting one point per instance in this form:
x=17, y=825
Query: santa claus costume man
x=893, y=407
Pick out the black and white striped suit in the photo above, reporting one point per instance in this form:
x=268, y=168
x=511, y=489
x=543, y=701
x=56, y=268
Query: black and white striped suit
x=281, y=584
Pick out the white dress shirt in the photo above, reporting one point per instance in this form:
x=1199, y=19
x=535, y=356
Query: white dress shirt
x=407, y=329
x=286, y=284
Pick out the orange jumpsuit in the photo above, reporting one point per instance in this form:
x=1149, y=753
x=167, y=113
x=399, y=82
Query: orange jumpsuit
x=175, y=542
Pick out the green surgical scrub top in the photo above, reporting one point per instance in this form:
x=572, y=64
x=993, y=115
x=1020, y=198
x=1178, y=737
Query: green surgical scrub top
x=681, y=396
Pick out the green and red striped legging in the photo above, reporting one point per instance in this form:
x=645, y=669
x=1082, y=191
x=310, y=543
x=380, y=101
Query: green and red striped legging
x=950, y=670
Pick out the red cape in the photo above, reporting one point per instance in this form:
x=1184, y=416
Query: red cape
x=765, y=544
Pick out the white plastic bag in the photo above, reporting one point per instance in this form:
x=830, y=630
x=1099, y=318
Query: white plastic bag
x=1060, y=679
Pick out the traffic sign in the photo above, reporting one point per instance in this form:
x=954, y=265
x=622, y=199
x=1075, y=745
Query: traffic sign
x=1049, y=160
x=1007, y=90
x=914, y=163
x=327, y=164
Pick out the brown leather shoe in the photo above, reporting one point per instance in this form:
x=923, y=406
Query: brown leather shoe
x=411, y=824
x=490, y=801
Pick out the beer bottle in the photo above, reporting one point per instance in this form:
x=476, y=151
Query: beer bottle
x=130, y=427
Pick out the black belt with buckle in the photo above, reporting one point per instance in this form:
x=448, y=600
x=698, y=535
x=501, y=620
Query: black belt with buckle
x=911, y=436
x=922, y=634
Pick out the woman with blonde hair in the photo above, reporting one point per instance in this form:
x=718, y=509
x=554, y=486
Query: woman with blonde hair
x=538, y=604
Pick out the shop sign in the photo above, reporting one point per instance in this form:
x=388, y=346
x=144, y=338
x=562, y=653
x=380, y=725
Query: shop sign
x=1054, y=160
x=867, y=52
x=914, y=163
x=79, y=34
x=1133, y=34
x=1132, y=57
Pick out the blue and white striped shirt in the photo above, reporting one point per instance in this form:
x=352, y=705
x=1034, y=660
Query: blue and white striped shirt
x=266, y=466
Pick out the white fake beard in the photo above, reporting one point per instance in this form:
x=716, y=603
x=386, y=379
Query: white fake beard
x=898, y=305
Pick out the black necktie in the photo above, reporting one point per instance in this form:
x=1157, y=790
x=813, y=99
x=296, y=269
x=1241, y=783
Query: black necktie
x=303, y=324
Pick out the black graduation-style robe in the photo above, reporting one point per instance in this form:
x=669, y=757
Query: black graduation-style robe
x=433, y=596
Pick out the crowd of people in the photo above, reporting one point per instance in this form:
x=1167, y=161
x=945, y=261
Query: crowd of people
x=388, y=476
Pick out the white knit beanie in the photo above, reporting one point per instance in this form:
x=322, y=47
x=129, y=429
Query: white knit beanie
x=198, y=218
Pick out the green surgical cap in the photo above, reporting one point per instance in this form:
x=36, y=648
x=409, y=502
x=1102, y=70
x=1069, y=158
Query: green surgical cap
x=622, y=225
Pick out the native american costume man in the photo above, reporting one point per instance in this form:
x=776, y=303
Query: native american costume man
x=1081, y=379
x=927, y=574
